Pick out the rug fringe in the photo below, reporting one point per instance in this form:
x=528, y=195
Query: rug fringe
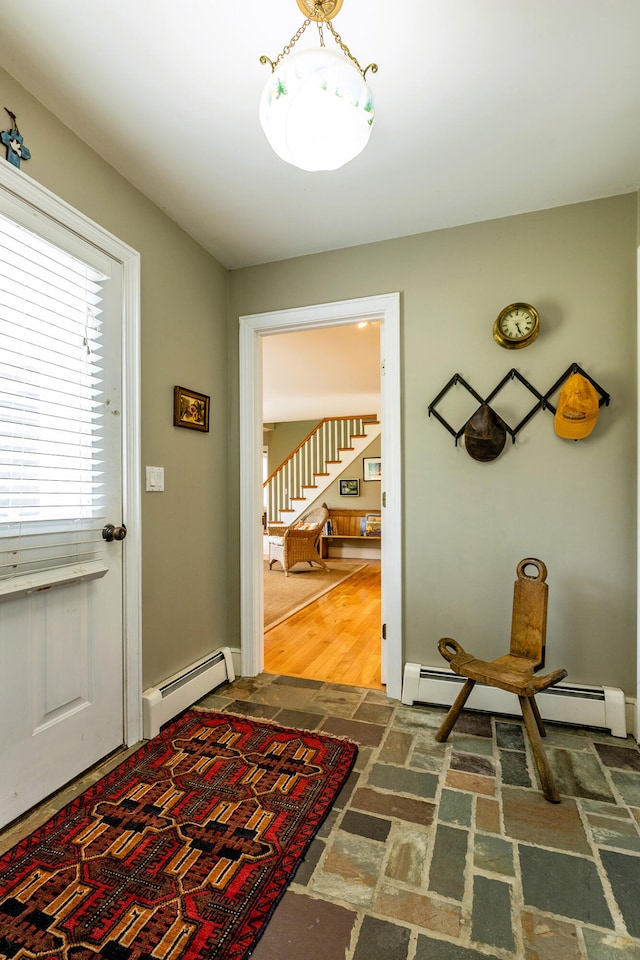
x=272, y=723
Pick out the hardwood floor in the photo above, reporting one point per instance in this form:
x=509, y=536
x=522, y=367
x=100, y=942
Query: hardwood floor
x=335, y=638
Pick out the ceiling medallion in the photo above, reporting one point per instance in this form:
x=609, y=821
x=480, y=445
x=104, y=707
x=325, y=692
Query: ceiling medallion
x=329, y=9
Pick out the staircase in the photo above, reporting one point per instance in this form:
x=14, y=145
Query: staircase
x=315, y=463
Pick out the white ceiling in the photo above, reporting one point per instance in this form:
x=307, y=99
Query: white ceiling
x=327, y=372
x=484, y=108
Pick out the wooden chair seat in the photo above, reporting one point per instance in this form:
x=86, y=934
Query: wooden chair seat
x=514, y=672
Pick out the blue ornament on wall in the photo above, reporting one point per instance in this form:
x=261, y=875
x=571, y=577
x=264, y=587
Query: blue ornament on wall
x=12, y=139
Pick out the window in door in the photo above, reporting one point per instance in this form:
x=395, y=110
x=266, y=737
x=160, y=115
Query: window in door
x=51, y=436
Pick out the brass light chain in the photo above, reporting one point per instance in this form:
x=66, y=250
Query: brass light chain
x=288, y=48
x=345, y=49
x=321, y=19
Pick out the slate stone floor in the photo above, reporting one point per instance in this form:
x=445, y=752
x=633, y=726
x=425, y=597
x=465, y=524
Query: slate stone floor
x=448, y=851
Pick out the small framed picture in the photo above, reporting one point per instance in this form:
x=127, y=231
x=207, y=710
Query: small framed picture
x=190, y=409
x=349, y=488
x=372, y=468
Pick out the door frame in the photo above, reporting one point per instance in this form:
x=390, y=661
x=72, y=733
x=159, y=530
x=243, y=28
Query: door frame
x=385, y=309
x=24, y=188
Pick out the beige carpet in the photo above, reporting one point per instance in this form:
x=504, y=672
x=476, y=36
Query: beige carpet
x=284, y=596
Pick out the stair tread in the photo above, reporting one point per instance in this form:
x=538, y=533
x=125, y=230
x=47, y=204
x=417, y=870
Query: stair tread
x=359, y=425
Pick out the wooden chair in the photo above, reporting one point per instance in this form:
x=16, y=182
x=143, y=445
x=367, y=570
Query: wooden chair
x=299, y=541
x=515, y=671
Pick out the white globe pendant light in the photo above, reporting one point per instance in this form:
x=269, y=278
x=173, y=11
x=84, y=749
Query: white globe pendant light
x=317, y=109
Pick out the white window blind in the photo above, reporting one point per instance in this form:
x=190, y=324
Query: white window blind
x=51, y=490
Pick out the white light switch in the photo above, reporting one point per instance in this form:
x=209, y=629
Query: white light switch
x=155, y=479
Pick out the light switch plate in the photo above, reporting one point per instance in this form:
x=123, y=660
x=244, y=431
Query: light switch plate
x=155, y=479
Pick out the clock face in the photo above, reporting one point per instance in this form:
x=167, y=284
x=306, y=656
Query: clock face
x=516, y=326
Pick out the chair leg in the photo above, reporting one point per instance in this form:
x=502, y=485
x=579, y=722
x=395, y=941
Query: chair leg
x=547, y=781
x=537, y=717
x=448, y=723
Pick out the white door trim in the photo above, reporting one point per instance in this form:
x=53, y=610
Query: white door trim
x=637, y=701
x=384, y=308
x=30, y=191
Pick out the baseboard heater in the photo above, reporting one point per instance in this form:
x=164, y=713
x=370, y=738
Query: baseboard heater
x=178, y=692
x=573, y=703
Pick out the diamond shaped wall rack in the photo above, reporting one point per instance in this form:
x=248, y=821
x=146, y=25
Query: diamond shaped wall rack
x=542, y=400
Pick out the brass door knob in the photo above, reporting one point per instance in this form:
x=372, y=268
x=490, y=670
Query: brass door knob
x=110, y=532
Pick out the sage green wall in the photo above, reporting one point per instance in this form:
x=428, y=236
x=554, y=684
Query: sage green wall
x=467, y=524
x=284, y=438
x=183, y=341
x=369, y=498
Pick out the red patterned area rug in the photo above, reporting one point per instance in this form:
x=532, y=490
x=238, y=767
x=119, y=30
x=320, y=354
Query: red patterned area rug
x=181, y=853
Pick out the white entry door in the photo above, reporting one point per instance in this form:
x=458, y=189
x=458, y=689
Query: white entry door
x=61, y=582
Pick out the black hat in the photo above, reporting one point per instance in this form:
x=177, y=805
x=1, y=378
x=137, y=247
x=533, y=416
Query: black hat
x=485, y=434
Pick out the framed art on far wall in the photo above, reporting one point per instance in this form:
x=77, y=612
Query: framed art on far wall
x=349, y=488
x=190, y=409
x=372, y=468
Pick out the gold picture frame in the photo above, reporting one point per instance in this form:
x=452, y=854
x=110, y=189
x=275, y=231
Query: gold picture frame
x=190, y=409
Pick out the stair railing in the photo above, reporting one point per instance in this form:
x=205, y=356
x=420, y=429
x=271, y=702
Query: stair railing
x=301, y=469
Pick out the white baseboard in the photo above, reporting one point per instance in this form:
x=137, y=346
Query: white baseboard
x=236, y=659
x=169, y=698
x=572, y=703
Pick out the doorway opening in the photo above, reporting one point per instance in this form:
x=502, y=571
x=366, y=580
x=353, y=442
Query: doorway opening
x=385, y=310
x=321, y=407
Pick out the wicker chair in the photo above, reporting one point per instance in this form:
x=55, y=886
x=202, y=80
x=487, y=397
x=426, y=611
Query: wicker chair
x=298, y=542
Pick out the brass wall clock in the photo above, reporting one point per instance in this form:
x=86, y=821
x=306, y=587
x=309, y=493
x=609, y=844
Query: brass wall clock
x=517, y=326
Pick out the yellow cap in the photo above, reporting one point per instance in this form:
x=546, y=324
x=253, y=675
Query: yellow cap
x=577, y=408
